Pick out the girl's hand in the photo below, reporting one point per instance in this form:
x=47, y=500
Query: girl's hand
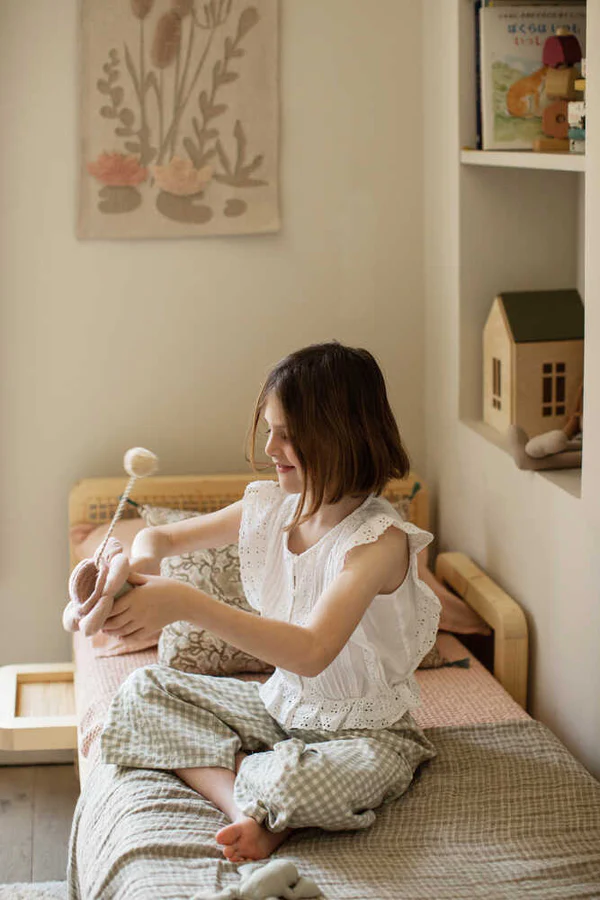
x=145, y=610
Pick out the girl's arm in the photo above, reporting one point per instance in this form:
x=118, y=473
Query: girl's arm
x=214, y=529
x=369, y=570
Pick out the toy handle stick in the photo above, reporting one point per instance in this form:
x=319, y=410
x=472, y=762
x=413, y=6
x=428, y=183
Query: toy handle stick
x=138, y=463
x=115, y=518
x=573, y=425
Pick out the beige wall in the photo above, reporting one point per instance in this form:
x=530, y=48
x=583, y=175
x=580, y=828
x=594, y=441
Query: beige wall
x=108, y=345
x=540, y=542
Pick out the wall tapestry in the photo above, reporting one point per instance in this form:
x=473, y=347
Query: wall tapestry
x=179, y=118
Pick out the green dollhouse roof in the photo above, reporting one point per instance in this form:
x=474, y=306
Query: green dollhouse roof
x=544, y=315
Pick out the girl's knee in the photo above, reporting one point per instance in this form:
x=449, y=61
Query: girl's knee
x=140, y=679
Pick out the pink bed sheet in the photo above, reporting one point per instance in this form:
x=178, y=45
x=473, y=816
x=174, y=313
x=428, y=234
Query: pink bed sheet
x=456, y=696
x=449, y=696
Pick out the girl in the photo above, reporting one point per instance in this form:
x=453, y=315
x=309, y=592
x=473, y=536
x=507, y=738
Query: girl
x=345, y=619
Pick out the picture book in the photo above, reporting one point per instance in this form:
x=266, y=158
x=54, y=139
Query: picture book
x=511, y=72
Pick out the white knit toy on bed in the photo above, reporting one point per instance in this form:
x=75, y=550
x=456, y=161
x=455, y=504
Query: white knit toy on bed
x=276, y=880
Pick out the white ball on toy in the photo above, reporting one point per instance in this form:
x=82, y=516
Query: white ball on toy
x=140, y=463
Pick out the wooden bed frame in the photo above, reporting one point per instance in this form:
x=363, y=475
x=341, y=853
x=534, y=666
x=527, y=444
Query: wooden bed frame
x=37, y=710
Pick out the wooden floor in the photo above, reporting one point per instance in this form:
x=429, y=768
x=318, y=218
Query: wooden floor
x=36, y=809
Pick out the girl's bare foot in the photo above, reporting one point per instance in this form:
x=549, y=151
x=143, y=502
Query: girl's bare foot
x=246, y=839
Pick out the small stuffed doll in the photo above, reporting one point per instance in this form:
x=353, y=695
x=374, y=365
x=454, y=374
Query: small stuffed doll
x=96, y=583
x=559, y=449
x=562, y=439
x=276, y=880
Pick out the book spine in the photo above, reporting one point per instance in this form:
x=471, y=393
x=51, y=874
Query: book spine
x=485, y=102
x=478, y=124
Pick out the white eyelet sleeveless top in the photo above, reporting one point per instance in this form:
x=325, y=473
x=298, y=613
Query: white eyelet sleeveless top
x=370, y=684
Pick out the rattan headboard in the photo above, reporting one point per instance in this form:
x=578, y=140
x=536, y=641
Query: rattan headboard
x=94, y=500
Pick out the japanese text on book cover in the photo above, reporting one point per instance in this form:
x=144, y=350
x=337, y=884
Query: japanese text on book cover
x=513, y=76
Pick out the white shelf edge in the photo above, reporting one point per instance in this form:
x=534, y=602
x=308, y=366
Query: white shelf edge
x=526, y=159
x=568, y=480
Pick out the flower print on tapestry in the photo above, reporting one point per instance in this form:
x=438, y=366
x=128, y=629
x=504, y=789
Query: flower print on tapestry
x=179, y=118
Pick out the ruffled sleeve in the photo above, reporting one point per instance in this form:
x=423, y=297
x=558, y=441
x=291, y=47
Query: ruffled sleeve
x=261, y=502
x=372, y=529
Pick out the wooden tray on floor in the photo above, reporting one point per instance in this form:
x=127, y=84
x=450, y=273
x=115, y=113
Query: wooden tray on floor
x=37, y=707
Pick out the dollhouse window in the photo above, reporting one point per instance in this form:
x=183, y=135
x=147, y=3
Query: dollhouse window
x=496, y=384
x=554, y=389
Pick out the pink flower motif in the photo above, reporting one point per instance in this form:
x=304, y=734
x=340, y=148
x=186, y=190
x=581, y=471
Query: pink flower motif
x=180, y=177
x=118, y=170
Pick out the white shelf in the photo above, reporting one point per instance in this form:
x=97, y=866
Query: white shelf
x=568, y=480
x=526, y=159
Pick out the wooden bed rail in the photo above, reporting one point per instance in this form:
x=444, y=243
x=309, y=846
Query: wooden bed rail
x=94, y=500
x=500, y=611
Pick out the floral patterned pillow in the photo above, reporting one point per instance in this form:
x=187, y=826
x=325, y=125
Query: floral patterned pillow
x=402, y=506
x=217, y=572
x=433, y=659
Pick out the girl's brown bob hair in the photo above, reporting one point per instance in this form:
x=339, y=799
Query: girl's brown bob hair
x=339, y=422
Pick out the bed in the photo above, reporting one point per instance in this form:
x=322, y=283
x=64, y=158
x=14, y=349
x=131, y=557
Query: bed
x=503, y=811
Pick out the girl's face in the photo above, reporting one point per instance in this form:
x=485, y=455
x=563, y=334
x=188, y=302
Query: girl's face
x=280, y=449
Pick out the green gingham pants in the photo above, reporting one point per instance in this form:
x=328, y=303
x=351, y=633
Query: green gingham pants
x=165, y=719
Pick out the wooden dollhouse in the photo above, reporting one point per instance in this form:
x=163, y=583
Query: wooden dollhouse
x=532, y=359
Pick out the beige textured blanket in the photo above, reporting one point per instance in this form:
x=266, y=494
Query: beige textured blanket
x=503, y=812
